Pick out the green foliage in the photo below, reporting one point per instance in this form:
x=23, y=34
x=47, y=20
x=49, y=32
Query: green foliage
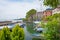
x=30, y=28
x=17, y=33
x=55, y=16
x=51, y=33
x=52, y=28
x=24, y=19
x=5, y=34
x=35, y=18
x=52, y=3
x=30, y=13
x=36, y=39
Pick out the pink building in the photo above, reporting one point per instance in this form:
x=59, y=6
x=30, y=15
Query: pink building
x=47, y=12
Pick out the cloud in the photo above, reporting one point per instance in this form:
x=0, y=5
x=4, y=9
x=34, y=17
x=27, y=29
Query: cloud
x=14, y=9
x=21, y=0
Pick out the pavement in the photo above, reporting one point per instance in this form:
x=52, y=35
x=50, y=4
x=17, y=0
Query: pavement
x=28, y=36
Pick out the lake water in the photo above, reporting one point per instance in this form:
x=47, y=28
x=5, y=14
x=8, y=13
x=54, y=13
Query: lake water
x=10, y=25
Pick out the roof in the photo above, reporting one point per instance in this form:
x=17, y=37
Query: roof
x=49, y=9
x=40, y=12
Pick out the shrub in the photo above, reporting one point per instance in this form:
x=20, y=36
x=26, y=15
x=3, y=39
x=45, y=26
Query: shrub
x=5, y=34
x=17, y=33
x=52, y=27
x=50, y=34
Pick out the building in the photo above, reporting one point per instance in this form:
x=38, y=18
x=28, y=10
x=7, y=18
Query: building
x=36, y=17
x=47, y=12
x=39, y=16
x=56, y=10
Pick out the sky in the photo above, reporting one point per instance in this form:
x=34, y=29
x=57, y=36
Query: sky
x=15, y=9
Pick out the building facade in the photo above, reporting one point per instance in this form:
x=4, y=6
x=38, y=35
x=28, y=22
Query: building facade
x=47, y=12
x=39, y=16
x=56, y=10
x=36, y=17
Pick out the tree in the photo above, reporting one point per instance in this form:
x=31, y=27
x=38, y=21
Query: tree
x=30, y=13
x=55, y=16
x=52, y=28
x=17, y=33
x=24, y=19
x=52, y=3
x=5, y=34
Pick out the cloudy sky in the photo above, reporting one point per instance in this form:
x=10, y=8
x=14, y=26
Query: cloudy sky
x=13, y=9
